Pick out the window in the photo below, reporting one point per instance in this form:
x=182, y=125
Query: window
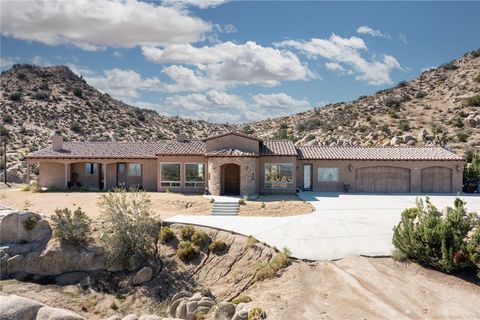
x=279, y=176
x=170, y=174
x=90, y=169
x=194, y=175
x=328, y=174
x=134, y=169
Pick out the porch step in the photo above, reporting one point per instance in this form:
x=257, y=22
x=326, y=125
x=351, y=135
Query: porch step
x=225, y=208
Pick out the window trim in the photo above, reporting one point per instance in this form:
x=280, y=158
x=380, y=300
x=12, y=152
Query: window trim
x=292, y=186
x=170, y=182
x=94, y=165
x=128, y=169
x=329, y=181
x=196, y=184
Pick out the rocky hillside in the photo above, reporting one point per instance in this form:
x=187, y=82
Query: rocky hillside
x=35, y=101
x=441, y=106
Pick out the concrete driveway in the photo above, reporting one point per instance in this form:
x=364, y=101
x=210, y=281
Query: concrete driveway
x=342, y=225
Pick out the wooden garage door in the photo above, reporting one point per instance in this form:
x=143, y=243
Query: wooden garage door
x=383, y=179
x=436, y=179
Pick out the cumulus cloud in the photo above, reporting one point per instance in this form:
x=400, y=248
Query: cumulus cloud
x=228, y=64
x=370, y=31
x=7, y=62
x=277, y=101
x=349, y=52
x=92, y=25
x=202, y=4
x=333, y=66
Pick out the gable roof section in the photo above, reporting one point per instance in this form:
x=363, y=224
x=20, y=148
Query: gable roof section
x=232, y=133
x=278, y=148
x=228, y=152
x=375, y=153
x=101, y=150
x=186, y=148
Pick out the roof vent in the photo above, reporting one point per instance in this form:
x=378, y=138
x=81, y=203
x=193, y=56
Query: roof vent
x=181, y=138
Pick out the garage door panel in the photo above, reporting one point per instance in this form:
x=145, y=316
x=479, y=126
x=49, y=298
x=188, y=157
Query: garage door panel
x=437, y=180
x=383, y=179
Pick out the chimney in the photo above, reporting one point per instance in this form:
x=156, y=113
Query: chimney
x=57, y=141
x=181, y=138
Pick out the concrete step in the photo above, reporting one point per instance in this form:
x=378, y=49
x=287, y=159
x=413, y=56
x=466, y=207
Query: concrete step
x=225, y=208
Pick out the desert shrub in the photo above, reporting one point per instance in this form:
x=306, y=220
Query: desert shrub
x=130, y=230
x=70, y=227
x=241, y=299
x=251, y=241
x=200, y=238
x=30, y=223
x=187, y=251
x=420, y=94
x=242, y=201
x=77, y=92
x=4, y=131
x=76, y=127
x=402, y=84
x=263, y=205
x=427, y=236
x=462, y=136
x=247, y=129
x=309, y=138
x=404, y=125
x=477, y=78
x=392, y=103
x=472, y=101
x=7, y=119
x=15, y=96
x=473, y=245
x=40, y=95
x=393, y=114
x=398, y=255
x=449, y=65
x=456, y=122
x=217, y=246
x=166, y=234
x=33, y=186
x=256, y=313
x=186, y=232
x=270, y=268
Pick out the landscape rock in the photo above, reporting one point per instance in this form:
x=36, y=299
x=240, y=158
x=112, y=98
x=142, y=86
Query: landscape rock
x=395, y=141
x=14, y=264
x=142, y=276
x=49, y=313
x=150, y=317
x=13, y=230
x=130, y=317
x=224, y=311
x=18, y=308
x=241, y=315
x=115, y=317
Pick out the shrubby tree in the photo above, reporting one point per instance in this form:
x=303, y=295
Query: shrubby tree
x=131, y=231
x=70, y=227
x=438, y=239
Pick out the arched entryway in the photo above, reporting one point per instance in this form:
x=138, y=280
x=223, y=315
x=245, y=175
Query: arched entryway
x=230, y=179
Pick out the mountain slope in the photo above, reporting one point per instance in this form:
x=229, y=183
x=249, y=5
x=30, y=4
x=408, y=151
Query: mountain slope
x=36, y=101
x=435, y=102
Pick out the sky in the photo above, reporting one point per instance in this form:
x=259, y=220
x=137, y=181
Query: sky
x=237, y=61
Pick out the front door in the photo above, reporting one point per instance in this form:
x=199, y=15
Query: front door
x=232, y=179
x=307, y=177
x=121, y=175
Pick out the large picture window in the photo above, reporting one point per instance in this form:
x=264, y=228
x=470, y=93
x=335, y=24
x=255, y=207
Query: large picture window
x=134, y=169
x=170, y=174
x=194, y=175
x=278, y=175
x=328, y=174
x=90, y=169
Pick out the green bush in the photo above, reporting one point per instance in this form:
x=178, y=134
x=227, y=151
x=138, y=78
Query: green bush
x=270, y=268
x=472, y=101
x=449, y=65
x=186, y=232
x=187, y=251
x=166, y=234
x=251, y=241
x=76, y=127
x=72, y=228
x=30, y=223
x=40, y=95
x=7, y=119
x=242, y=201
x=392, y=103
x=462, y=136
x=247, y=129
x=256, y=313
x=404, y=125
x=130, y=230
x=200, y=238
x=398, y=255
x=473, y=245
x=427, y=236
x=420, y=95
x=15, y=96
x=217, y=246
x=77, y=92
x=477, y=78
x=242, y=299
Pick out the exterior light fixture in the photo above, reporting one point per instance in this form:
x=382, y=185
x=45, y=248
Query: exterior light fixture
x=350, y=167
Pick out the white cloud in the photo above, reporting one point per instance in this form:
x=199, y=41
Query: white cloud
x=403, y=38
x=202, y=4
x=41, y=61
x=348, y=52
x=371, y=31
x=117, y=54
x=93, y=25
x=228, y=64
x=333, y=66
x=7, y=62
x=279, y=101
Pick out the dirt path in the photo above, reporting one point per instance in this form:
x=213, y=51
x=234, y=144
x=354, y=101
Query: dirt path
x=366, y=288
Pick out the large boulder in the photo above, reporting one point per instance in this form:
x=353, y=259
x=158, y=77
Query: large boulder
x=18, y=308
x=143, y=275
x=49, y=313
x=225, y=311
x=395, y=141
x=23, y=227
x=150, y=317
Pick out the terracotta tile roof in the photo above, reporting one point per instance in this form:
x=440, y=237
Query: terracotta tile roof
x=232, y=133
x=278, y=148
x=230, y=153
x=101, y=150
x=375, y=153
x=188, y=147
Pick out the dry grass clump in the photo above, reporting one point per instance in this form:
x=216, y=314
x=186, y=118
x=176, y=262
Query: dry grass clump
x=267, y=270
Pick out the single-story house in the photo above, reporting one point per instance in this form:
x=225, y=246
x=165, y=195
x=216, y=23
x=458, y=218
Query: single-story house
x=235, y=163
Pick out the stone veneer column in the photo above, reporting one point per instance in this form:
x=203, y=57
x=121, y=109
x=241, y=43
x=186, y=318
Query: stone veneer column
x=247, y=174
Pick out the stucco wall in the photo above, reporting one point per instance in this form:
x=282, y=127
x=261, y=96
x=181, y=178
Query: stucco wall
x=182, y=160
x=248, y=174
x=233, y=142
x=349, y=176
x=277, y=159
x=52, y=174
